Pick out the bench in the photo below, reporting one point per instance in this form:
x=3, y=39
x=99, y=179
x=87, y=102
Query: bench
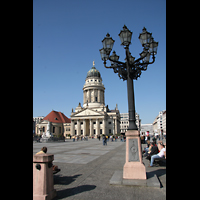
x=160, y=161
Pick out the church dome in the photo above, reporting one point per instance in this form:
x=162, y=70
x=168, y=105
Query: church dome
x=93, y=72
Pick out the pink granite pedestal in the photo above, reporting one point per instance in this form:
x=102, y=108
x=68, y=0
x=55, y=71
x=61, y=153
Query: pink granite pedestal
x=134, y=167
x=43, y=187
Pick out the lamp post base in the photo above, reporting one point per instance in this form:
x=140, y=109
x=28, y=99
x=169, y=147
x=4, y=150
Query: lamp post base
x=134, y=167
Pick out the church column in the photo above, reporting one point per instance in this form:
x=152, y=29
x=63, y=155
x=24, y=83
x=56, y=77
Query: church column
x=91, y=128
x=72, y=127
x=84, y=97
x=104, y=126
x=84, y=127
x=113, y=127
x=93, y=96
x=78, y=127
x=98, y=127
x=99, y=96
x=89, y=95
x=116, y=126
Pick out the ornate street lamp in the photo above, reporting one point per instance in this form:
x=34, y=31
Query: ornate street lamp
x=108, y=43
x=125, y=36
x=131, y=68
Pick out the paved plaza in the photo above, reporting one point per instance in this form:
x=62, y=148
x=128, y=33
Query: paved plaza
x=87, y=167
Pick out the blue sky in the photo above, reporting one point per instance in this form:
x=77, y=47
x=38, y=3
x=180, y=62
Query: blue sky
x=67, y=37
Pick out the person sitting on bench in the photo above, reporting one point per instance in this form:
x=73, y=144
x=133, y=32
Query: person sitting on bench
x=55, y=167
x=153, y=151
x=159, y=155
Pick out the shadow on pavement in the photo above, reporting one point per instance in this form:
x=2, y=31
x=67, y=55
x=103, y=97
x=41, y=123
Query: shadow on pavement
x=65, y=180
x=73, y=191
x=158, y=172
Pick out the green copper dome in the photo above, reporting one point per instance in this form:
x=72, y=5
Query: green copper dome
x=93, y=72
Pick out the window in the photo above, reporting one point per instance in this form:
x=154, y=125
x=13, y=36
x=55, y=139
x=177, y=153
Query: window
x=100, y=131
x=109, y=130
x=81, y=132
x=81, y=122
x=53, y=129
x=100, y=122
x=95, y=98
x=94, y=131
x=109, y=122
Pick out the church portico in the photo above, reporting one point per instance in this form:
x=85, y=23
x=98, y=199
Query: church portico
x=94, y=118
x=88, y=127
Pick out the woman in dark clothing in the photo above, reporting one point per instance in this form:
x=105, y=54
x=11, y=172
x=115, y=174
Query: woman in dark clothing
x=154, y=150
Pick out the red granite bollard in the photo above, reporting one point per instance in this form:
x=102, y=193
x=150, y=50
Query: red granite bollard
x=43, y=186
x=134, y=167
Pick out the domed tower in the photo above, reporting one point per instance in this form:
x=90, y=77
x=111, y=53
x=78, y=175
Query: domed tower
x=93, y=89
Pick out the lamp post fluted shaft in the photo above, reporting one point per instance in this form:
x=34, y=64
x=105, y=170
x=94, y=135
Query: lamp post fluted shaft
x=131, y=98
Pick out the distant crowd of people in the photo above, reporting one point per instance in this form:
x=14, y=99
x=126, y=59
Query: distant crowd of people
x=77, y=138
x=105, y=138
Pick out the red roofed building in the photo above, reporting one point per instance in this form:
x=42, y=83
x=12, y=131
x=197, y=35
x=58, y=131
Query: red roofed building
x=59, y=124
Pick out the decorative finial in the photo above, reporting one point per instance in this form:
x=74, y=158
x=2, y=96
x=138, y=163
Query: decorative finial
x=93, y=63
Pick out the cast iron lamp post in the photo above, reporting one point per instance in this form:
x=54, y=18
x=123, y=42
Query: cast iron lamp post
x=131, y=69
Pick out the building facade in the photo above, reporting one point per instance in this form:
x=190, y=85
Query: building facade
x=159, y=123
x=36, y=120
x=124, y=123
x=94, y=118
x=147, y=128
x=59, y=124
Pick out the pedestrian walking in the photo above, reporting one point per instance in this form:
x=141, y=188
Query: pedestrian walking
x=104, y=140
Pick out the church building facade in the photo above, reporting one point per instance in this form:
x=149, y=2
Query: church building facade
x=94, y=118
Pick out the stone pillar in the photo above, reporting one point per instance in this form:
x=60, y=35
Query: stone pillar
x=113, y=126
x=43, y=187
x=93, y=96
x=78, y=127
x=134, y=167
x=84, y=127
x=98, y=127
x=116, y=125
x=72, y=127
x=99, y=96
x=104, y=127
x=91, y=128
x=89, y=96
x=84, y=96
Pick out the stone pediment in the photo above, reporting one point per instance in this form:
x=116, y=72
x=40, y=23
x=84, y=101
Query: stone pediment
x=88, y=112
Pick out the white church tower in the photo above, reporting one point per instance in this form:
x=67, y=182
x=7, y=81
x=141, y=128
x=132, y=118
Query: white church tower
x=94, y=118
x=93, y=89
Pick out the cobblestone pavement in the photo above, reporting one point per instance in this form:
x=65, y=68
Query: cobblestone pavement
x=87, y=166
